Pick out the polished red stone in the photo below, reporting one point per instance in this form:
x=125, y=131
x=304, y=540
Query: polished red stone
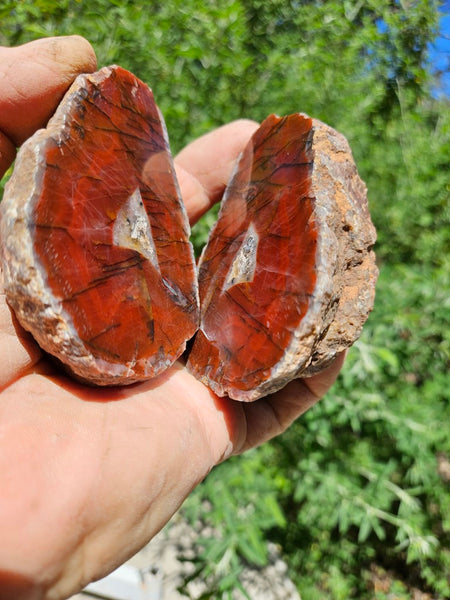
x=108, y=233
x=98, y=265
x=288, y=275
x=249, y=312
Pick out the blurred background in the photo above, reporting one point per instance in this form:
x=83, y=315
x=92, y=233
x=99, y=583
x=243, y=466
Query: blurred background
x=356, y=493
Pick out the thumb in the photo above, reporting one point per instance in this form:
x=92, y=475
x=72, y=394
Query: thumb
x=33, y=79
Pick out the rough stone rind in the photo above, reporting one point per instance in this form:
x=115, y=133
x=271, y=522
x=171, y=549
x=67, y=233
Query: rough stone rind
x=335, y=179
x=337, y=186
x=346, y=276
x=344, y=264
x=26, y=279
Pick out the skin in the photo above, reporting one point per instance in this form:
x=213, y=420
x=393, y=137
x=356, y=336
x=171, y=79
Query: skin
x=89, y=476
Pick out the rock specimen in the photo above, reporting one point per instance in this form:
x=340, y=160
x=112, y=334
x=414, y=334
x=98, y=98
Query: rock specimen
x=97, y=259
x=287, y=277
x=98, y=264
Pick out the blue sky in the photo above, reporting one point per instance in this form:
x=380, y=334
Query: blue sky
x=440, y=50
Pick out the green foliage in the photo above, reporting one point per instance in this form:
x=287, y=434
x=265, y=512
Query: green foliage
x=409, y=193
x=210, y=62
x=371, y=448
x=355, y=490
x=238, y=503
x=355, y=482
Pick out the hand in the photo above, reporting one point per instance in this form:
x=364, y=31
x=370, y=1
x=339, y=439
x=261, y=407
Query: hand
x=88, y=476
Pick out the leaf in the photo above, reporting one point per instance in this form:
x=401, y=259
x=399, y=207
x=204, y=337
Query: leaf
x=365, y=528
x=253, y=547
x=388, y=357
x=378, y=529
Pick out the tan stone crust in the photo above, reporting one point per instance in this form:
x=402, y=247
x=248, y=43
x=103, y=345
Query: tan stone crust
x=345, y=259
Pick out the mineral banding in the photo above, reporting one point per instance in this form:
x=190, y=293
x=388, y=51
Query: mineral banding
x=99, y=268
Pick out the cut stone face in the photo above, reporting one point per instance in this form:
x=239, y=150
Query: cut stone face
x=288, y=275
x=98, y=264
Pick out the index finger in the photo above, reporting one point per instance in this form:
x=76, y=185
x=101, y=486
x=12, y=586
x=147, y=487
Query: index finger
x=204, y=166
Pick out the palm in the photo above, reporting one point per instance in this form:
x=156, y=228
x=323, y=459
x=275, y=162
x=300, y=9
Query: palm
x=89, y=475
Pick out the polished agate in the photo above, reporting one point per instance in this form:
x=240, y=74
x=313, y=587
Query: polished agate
x=97, y=259
x=99, y=268
x=287, y=277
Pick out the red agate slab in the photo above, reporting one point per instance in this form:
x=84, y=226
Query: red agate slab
x=97, y=259
x=288, y=274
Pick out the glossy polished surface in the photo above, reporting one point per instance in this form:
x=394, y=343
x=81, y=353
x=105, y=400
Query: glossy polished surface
x=257, y=273
x=108, y=227
x=97, y=263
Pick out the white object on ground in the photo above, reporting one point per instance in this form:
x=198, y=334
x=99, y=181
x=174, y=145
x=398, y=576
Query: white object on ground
x=128, y=583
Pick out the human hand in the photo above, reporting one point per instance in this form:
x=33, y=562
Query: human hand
x=88, y=476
